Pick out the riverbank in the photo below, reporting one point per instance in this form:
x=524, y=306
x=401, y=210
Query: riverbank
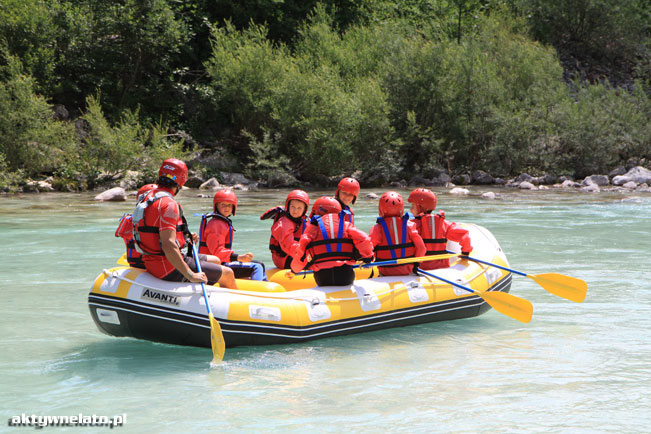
x=636, y=179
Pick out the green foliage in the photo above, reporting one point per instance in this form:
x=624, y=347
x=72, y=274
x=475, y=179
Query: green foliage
x=611, y=31
x=108, y=151
x=30, y=139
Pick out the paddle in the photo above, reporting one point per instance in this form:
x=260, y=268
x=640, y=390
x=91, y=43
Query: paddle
x=216, y=336
x=394, y=262
x=508, y=304
x=560, y=285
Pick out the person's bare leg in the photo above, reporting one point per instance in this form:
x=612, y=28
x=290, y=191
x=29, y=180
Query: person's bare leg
x=227, y=280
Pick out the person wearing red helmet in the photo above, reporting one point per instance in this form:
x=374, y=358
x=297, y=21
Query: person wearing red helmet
x=395, y=236
x=216, y=238
x=288, y=226
x=434, y=229
x=125, y=231
x=161, y=231
x=346, y=194
x=330, y=245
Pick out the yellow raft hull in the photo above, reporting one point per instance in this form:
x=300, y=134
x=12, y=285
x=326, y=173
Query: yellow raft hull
x=129, y=302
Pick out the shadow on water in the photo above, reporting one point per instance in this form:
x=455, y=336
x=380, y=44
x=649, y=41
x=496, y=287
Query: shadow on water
x=110, y=357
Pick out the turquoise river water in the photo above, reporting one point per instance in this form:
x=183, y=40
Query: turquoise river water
x=575, y=368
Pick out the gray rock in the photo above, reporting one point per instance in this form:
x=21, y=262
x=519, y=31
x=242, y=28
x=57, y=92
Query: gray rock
x=241, y=187
x=480, y=177
x=372, y=196
x=398, y=184
x=525, y=177
x=592, y=188
x=526, y=185
x=637, y=174
x=211, y=184
x=546, y=179
x=621, y=170
x=115, y=194
x=60, y=112
x=488, y=195
x=194, y=182
x=630, y=184
x=419, y=180
x=463, y=179
x=37, y=187
x=459, y=191
x=564, y=178
x=599, y=180
x=500, y=181
x=231, y=178
x=643, y=188
x=570, y=184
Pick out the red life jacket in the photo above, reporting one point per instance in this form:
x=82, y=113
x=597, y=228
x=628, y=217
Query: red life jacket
x=125, y=231
x=431, y=230
x=395, y=242
x=203, y=245
x=330, y=245
x=147, y=238
x=299, y=227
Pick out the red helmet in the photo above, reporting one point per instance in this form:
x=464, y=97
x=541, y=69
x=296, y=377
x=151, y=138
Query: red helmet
x=391, y=204
x=174, y=169
x=225, y=195
x=326, y=205
x=299, y=195
x=349, y=185
x=146, y=188
x=423, y=197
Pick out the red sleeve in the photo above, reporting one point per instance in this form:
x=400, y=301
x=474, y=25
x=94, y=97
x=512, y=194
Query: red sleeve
x=299, y=249
x=283, y=231
x=456, y=233
x=376, y=235
x=419, y=245
x=361, y=240
x=217, y=234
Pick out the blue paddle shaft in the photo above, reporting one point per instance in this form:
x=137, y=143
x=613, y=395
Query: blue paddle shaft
x=445, y=280
x=494, y=265
x=203, y=287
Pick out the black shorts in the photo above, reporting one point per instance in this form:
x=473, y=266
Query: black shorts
x=213, y=271
x=343, y=275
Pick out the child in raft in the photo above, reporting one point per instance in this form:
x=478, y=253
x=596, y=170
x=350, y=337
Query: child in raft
x=434, y=229
x=330, y=245
x=288, y=226
x=125, y=231
x=346, y=195
x=216, y=238
x=395, y=236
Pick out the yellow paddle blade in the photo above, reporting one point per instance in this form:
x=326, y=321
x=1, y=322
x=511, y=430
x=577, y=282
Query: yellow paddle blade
x=508, y=304
x=216, y=340
x=122, y=260
x=567, y=287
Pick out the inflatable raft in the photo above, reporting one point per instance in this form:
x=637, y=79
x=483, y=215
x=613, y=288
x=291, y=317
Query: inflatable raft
x=130, y=302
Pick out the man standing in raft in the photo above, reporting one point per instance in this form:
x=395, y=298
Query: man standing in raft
x=160, y=231
x=346, y=195
x=434, y=229
x=395, y=236
x=125, y=231
x=289, y=224
x=330, y=245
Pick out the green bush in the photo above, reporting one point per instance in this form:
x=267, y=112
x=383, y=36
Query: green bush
x=30, y=139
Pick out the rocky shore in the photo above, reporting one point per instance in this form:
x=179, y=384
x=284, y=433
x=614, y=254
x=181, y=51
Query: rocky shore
x=634, y=179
